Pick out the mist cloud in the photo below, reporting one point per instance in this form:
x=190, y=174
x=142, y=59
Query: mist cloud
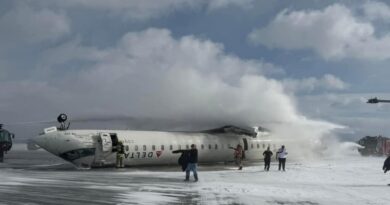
x=334, y=32
x=24, y=26
x=146, y=9
x=150, y=74
x=326, y=82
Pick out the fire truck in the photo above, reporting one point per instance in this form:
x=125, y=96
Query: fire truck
x=374, y=146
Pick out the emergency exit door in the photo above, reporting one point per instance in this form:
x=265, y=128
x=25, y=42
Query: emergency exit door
x=103, y=148
x=245, y=143
x=106, y=142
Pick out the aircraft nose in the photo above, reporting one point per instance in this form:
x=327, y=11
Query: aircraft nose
x=47, y=141
x=40, y=140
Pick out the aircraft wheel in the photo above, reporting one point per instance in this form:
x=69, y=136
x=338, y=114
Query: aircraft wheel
x=62, y=118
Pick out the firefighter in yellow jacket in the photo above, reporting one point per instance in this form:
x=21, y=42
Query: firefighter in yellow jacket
x=120, y=155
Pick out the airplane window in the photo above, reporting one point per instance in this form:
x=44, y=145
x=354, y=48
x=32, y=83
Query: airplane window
x=162, y=147
x=153, y=147
x=209, y=146
x=170, y=147
x=258, y=146
x=216, y=146
x=202, y=146
x=5, y=136
x=179, y=146
x=251, y=145
x=187, y=146
x=144, y=147
x=136, y=147
x=71, y=155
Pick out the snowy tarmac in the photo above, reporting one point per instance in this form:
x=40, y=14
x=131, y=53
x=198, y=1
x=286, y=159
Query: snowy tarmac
x=36, y=177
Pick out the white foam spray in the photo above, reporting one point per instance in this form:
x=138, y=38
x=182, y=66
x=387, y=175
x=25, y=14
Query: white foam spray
x=150, y=74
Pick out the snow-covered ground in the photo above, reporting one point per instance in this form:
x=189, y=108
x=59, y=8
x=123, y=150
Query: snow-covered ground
x=38, y=178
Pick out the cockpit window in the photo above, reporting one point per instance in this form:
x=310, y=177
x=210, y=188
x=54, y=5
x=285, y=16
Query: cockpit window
x=5, y=136
x=77, y=154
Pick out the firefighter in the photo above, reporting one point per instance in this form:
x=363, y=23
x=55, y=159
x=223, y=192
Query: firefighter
x=120, y=155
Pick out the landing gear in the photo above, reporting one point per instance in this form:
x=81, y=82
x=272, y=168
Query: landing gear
x=62, y=118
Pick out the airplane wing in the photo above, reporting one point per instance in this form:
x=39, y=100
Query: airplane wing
x=230, y=129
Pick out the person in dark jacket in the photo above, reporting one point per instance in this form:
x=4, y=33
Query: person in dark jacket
x=192, y=163
x=267, y=159
x=386, y=164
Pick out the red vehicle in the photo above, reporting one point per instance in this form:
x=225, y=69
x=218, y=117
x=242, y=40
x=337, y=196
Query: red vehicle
x=376, y=145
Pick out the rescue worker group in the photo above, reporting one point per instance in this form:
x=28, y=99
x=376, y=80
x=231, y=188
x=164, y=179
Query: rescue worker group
x=189, y=159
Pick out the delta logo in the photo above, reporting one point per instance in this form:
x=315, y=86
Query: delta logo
x=158, y=153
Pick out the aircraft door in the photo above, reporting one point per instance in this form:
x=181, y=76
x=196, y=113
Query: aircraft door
x=106, y=142
x=245, y=143
x=115, y=141
x=103, y=145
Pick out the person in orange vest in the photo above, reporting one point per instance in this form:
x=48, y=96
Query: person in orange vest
x=239, y=155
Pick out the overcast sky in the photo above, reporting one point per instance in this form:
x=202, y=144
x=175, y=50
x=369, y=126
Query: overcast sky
x=241, y=62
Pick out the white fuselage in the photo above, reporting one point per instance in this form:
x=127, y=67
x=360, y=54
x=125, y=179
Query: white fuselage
x=94, y=148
